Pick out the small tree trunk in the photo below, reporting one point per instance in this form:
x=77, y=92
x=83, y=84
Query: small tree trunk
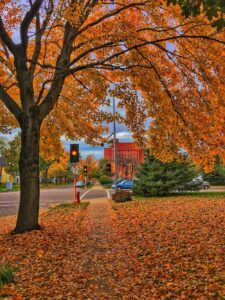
x=46, y=176
x=29, y=175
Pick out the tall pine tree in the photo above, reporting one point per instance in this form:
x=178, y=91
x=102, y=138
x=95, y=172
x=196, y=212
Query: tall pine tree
x=156, y=178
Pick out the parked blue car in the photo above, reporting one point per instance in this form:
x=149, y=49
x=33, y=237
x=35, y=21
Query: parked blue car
x=124, y=185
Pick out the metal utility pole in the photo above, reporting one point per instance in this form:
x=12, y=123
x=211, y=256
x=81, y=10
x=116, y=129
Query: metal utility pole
x=75, y=183
x=114, y=143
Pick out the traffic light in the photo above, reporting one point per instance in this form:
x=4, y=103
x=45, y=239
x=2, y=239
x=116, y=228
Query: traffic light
x=74, y=153
x=85, y=170
x=108, y=168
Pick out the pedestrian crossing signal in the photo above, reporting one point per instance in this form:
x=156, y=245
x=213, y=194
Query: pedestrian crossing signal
x=74, y=153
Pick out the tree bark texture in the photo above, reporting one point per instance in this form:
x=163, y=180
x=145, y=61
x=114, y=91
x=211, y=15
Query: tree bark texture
x=29, y=174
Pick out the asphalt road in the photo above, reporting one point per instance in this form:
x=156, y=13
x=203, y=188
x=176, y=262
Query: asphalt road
x=9, y=202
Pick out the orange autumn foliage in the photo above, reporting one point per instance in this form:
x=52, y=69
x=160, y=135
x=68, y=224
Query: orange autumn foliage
x=129, y=46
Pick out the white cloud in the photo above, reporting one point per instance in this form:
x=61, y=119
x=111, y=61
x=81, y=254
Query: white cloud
x=124, y=135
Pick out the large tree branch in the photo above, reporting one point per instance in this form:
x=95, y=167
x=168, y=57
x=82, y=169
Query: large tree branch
x=184, y=36
x=10, y=103
x=39, y=33
x=91, y=50
x=144, y=43
x=112, y=13
x=6, y=38
x=27, y=21
x=57, y=83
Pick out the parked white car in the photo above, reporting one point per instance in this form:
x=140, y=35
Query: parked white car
x=80, y=183
x=202, y=183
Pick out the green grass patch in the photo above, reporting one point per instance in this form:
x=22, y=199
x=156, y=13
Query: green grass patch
x=70, y=206
x=7, y=274
x=3, y=188
x=190, y=194
x=107, y=185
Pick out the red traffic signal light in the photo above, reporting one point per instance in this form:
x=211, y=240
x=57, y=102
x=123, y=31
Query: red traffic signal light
x=74, y=153
x=85, y=170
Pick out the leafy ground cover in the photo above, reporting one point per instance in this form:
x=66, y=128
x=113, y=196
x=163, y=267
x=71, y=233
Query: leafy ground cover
x=168, y=248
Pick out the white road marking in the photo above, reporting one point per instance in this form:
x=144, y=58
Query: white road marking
x=5, y=205
x=84, y=194
x=108, y=194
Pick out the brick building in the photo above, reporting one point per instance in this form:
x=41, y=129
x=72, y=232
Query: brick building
x=128, y=156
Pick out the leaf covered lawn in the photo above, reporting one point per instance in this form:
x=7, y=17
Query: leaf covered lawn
x=171, y=248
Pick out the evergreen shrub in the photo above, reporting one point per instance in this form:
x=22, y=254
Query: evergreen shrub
x=156, y=178
x=122, y=196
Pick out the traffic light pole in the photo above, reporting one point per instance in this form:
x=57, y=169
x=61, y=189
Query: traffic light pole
x=75, y=184
x=114, y=143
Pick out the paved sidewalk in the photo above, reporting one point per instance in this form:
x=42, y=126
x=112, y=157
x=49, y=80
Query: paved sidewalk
x=97, y=186
x=103, y=251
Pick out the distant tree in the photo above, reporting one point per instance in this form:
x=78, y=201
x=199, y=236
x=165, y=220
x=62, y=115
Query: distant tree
x=96, y=173
x=44, y=166
x=102, y=166
x=3, y=146
x=105, y=180
x=91, y=164
x=217, y=176
x=60, y=168
x=156, y=178
x=12, y=155
x=213, y=9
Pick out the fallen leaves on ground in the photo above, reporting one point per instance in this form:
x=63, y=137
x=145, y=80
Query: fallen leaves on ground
x=171, y=248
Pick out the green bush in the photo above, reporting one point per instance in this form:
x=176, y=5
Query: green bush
x=7, y=274
x=105, y=180
x=122, y=196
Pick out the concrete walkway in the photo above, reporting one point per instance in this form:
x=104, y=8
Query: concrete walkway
x=100, y=245
x=97, y=186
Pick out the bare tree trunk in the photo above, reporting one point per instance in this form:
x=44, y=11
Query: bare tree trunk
x=29, y=175
x=46, y=176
